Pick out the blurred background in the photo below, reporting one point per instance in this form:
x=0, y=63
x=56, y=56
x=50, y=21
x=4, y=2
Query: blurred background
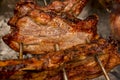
x=102, y=8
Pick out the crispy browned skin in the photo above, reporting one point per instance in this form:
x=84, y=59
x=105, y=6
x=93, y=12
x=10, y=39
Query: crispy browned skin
x=75, y=53
x=71, y=7
x=78, y=61
x=39, y=29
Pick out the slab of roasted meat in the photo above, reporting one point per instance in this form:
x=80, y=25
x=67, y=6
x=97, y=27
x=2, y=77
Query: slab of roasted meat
x=40, y=28
x=79, y=62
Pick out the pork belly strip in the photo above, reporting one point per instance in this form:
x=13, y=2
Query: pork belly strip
x=71, y=7
x=23, y=7
x=54, y=60
x=77, y=70
x=39, y=31
x=87, y=69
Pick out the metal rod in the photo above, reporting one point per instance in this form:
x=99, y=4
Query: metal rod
x=21, y=51
x=102, y=67
x=45, y=2
x=57, y=48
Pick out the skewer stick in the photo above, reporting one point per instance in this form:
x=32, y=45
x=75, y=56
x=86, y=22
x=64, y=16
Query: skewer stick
x=64, y=72
x=21, y=51
x=57, y=47
x=45, y=2
x=102, y=67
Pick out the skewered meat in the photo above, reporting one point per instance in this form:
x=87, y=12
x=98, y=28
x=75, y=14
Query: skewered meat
x=71, y=7
x=78, y=61
x=40, y=28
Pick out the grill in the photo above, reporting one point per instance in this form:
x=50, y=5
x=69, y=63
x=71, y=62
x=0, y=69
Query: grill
x=4, y=29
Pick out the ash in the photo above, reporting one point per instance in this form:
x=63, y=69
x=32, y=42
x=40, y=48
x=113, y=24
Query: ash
x=5, y=51
x=7, y=6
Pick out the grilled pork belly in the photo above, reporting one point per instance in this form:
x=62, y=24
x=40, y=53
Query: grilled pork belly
x=78, y=61
x=41, y=28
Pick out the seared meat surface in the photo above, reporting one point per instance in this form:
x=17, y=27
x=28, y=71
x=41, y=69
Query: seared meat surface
x=40, y=28
x=78, y=61
x=71, y=7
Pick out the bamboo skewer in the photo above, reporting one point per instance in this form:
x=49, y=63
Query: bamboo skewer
x=57, y=49
x=64, y=72
x=102, y=67
x=21, y=51
x=45, y=2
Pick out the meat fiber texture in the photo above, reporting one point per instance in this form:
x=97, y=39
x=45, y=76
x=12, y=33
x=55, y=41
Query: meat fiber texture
x=41, y=28
x=103, y=29
x=78, y=60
